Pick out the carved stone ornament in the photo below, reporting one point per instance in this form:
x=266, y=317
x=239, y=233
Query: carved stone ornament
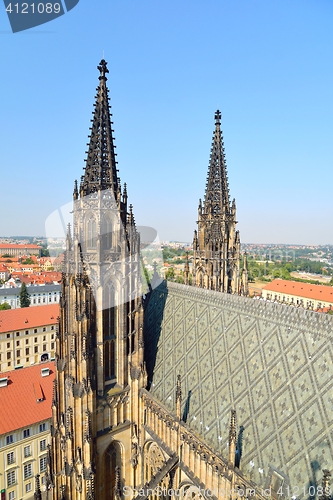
x=78, y=483
x=63, y=443
x=135, y=372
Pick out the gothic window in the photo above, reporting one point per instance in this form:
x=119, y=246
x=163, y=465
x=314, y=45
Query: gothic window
x=107, y=234
x=91, y=233
x=109, y=359
x=112, y=460
x=109, y=311
x=153, y=461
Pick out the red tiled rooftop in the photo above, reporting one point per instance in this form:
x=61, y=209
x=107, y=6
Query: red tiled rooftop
x=12, y=245
x=306, y=290
x=28, y=317
x=27, y=398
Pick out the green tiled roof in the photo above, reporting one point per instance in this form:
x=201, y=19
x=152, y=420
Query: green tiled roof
x=273, y=363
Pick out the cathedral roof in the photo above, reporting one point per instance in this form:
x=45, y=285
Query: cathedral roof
x=270, y=362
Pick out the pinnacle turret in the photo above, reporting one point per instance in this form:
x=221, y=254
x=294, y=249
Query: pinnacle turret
x=100, y=170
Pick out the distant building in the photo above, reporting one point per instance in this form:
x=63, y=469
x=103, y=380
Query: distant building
x=20, y=250
x=40, y=295
x=299, y=294
x=27, y=336
x=25, y=402
x=45, y=263
x=4, y=273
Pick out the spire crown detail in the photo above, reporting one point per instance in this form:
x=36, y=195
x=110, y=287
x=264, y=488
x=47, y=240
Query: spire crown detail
x=102, y=67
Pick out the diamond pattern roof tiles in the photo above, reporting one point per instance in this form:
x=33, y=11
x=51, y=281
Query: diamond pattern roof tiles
x=271, y=362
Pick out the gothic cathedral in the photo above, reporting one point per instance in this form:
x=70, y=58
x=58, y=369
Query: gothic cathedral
x=111, y=437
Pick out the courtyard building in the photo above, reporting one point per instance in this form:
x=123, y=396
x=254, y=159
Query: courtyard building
x=27, y=336
x=25, y=402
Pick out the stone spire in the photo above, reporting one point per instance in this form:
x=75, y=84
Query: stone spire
x=100, y=170
x=216, y=244
x=178, y=397
x=186, y=270
x=217, y=188
x=244, y=289
x=232, y=438
x=326, y=495
x=38, y=493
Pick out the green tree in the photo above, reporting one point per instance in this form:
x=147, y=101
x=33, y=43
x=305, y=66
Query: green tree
x=4, y=306
x=24, y=296
x=45, y=251
x=170, y=274
x=29, y=260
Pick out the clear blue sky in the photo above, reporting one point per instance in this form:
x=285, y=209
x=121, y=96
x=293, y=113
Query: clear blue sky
x=266, y=64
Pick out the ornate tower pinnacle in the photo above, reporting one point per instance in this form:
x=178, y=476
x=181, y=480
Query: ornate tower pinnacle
x=326, y=484
x=178, y=396
x=217, y=188
x=38, y=493
x=216, y=245
x=244, y=288
x=100, y=170
x=186, y=270
x=232, y=438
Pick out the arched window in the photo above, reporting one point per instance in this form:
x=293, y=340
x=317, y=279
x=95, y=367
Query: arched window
x=109, y=311
x=107, y=234
x=153, y=462
x=110, y=359
x=91, y=233
x=112, y=460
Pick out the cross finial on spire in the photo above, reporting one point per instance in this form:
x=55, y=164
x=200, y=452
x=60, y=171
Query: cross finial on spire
x=218, y=116
x=102, y=67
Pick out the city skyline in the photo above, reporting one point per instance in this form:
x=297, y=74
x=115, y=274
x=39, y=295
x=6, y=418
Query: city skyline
x=264, y=66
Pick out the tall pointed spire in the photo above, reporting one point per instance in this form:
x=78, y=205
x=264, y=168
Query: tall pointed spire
x=217, y=188
x=216, y=245
x=100, y=170
x=178, y=396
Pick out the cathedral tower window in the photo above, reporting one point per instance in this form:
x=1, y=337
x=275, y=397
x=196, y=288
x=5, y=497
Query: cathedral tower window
x=109, y=311
x=91, y=233
x=109, y=359
x=107, y=234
